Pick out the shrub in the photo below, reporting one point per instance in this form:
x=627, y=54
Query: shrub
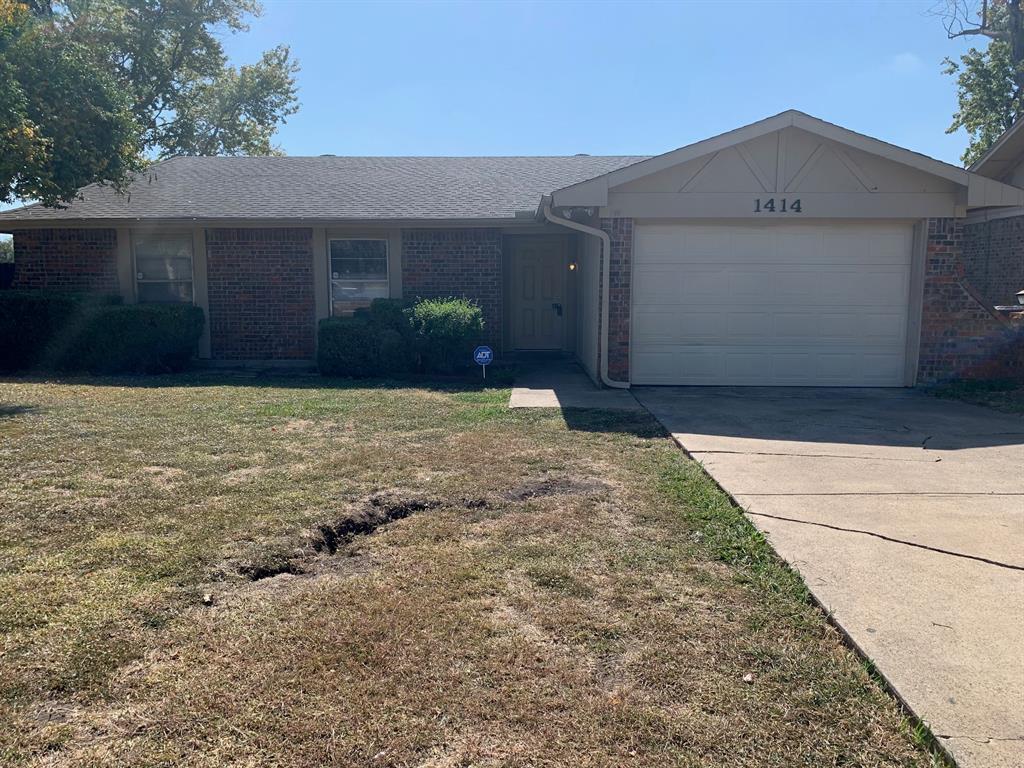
x=385, y=338
x=137, y=338
x=72, y=332
x=35, y=326
x=376, y=341
x=346, y=347
x=446, y=331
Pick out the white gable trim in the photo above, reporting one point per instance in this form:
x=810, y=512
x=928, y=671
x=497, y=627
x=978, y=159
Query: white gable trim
x=980, y=191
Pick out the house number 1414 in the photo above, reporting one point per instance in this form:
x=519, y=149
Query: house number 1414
x=768, y=206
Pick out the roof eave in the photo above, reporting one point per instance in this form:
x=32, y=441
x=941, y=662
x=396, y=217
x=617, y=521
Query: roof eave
x=9, y=226
x=989, y=164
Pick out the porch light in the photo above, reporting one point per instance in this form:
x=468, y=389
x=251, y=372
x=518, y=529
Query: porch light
x=572, y=268
x=1020, y=297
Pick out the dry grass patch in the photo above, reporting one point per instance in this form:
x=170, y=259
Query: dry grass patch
x=377, y=576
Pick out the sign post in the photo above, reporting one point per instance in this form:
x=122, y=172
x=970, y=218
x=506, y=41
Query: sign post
x=483, y=356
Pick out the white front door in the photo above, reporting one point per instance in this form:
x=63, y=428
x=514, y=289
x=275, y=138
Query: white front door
x=784, y=304
x=538, y=293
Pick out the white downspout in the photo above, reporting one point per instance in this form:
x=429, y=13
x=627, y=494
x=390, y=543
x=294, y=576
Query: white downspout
x=606, y=271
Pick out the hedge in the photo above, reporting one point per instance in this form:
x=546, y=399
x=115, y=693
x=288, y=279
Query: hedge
x=136, y=338
x=75, y=332
x=392, y=338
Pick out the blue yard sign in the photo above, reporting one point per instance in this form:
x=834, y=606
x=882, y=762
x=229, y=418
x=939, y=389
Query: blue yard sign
x=483, y=356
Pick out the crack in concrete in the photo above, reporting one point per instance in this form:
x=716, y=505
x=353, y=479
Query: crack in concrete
x=938, y=550
x=980, y=739
x=816, y=456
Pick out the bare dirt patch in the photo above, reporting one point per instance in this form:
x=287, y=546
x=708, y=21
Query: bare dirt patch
x=164, y=476
x=243, y=475
x=556, y=486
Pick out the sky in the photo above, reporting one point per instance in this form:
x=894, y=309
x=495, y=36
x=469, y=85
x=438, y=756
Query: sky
x=508, y=78
x=600, y=77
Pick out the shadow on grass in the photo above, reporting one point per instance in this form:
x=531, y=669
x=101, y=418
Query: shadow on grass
x=501, y=378
x=8, y=411
x=638, y=423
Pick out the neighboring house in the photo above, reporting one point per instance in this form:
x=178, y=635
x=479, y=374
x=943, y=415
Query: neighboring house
x=787, y=252
x=993, y=249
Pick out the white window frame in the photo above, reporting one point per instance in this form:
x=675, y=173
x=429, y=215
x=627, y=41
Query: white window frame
x=330, y=271
x=136, y=236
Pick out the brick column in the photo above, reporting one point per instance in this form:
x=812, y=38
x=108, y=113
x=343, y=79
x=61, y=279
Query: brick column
x=620, y=291
x=961, y=334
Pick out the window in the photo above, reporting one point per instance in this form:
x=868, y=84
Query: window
x=359, y=273
x=163, y=267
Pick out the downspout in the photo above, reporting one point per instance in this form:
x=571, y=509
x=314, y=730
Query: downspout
x=606, y=272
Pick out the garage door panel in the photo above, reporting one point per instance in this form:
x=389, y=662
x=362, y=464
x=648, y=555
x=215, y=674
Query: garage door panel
x=790, y=304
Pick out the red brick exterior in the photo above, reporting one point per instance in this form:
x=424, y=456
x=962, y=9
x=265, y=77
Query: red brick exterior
x=961, y=335
x=620, y=277
x=437, y=263
x=260, y=285
x=993, y=254
x=66, y=260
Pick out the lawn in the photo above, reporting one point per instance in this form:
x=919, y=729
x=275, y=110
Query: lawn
x=210, y=571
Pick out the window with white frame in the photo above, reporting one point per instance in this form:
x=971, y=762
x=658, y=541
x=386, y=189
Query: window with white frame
x=359, y=273
x=163, y=266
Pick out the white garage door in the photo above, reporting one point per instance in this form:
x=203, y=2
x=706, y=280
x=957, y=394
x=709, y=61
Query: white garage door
x=786, y=304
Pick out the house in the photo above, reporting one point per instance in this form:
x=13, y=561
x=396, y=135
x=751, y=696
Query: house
x=787, y=252
x=993, y=246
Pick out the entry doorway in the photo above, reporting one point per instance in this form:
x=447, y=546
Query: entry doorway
x=540, y=299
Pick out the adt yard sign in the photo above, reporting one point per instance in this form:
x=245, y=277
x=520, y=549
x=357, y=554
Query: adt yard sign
x=483, y=356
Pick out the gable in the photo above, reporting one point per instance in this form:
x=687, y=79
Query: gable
x=788, y=160
x=834, y=172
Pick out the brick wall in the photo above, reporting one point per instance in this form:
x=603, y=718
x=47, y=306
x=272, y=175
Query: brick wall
x=993, y=255
x=66, y=260
x=260, y=284
x=456, y=262
x=961, y=335
x=621, y=264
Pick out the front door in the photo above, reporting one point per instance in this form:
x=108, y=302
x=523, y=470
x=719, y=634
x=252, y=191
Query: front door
x=538, y=293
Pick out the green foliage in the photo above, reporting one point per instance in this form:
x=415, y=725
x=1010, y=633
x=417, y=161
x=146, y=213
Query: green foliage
x=64, y=120
x=388, y=337
x=6, y=251
x=137, y=338
x=446, y=332
x=169, y=57
x=988, y=96
x=72, y=332
x=346, y=346
x=35, y=325
x=377, y=341
x=89, y=90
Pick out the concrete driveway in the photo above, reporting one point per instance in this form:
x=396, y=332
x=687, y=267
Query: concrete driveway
x=905, y=516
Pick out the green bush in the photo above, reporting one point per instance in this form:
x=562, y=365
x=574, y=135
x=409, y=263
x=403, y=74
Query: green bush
x=136, y=338
x=387, y=338
x=446, y=331
x=346, y=346
x=97, y=334
x=35, y=326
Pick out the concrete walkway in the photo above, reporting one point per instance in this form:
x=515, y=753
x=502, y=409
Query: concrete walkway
x=563, y=384
x=905, y=516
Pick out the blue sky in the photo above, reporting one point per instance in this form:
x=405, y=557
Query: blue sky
x=601, y=77
x=535, y=78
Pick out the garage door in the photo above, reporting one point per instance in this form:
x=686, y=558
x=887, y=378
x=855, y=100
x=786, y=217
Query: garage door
x=787, y=304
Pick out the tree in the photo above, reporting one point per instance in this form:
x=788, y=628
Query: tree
x=6, y=250
x=90, y=90
x=990, y=82
x=64, y=122
x=168, y=57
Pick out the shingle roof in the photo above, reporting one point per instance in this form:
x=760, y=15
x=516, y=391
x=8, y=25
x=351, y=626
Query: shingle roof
x=331, y=188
